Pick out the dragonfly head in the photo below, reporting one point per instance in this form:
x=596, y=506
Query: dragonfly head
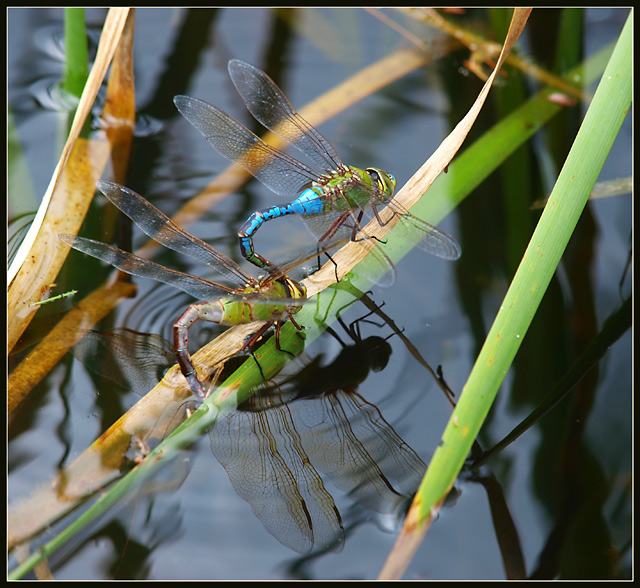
x=294, y=290
x=385, y=182
x=297, y=290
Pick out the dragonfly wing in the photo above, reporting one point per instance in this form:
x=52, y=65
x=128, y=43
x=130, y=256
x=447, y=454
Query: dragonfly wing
x=280, y=172
x=261, y=451
x=135, y=361
x=432, y=240
x=270, y=107
x=360, y=452
x=199, y=288
x=160, y=228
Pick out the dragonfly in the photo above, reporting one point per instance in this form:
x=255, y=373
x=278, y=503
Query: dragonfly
x=274, y=299
x=334, y=201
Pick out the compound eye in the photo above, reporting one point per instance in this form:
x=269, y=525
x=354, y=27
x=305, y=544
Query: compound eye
x=376, y=179
x=300, y=289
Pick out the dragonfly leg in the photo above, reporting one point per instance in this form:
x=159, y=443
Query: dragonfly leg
x=293, y=321
x=333, y=229
x=251, y=341
x=358, y=226
x=377, y=215
x=260, y=332
x=326, y=237
x=295, y=324
x=209, y=311
x=278, y=324
x=252, y=354
x=333, y=261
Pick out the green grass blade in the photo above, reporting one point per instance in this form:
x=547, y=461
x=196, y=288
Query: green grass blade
x=77, y=60
x=614, y=327
x=555, y=227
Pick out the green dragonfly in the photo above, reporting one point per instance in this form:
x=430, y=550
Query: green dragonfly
x=333, y=202
x=273, y=299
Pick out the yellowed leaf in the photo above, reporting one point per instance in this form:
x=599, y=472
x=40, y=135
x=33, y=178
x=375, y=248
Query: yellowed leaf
x=114, y=24
x=65, y=214
x=81, y=164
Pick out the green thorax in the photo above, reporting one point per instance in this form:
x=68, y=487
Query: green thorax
x=240, y=312
x=352, y=188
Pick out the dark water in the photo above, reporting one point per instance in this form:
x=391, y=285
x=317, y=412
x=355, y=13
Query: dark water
x=566, y=483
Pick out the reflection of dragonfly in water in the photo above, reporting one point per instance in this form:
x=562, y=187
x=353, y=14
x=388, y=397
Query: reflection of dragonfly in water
x=298, y=431
x=275, y=446
x=332, y=202
x=135, y=362
x=277, y=443
x=274, y=299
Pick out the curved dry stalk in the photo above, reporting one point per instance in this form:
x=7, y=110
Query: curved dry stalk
x=67, y=199
x=114, y=24
x=483, y=50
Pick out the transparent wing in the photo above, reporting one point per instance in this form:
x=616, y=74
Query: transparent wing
x=432, y=239
x=349, y=440
x=160, y=228
x=261, y=451
x=270, y=107
x=199, y=288
x=280, y=172
x=135, y=361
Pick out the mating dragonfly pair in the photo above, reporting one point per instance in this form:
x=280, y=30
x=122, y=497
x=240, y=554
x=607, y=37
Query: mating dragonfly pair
x=336, y=204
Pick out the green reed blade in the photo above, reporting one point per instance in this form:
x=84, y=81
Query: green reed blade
x=77, y=60
x=555, y=227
